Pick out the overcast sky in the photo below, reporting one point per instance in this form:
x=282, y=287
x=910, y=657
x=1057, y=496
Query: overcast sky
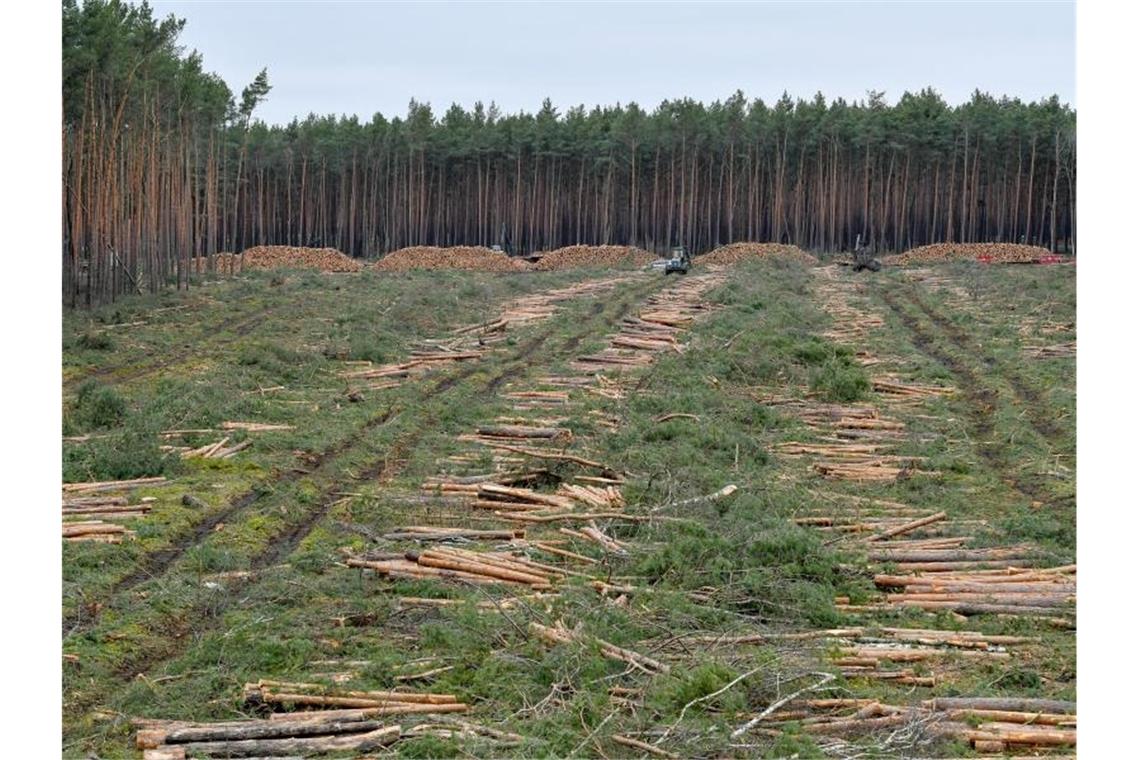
x=364, y=57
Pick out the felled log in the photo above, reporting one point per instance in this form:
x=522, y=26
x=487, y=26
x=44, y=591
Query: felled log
x=431, y=533
x=948, y=555
x=250, y=729
x=560, y=634
x=485, y=567
x=908, y=527
x=551, y=455
x=365, y=742
x=493, y=491
x=111, y=485
x=1015, y=716
x=1020, y=704
x=522, y=431
x=255, y=427
x=651, y=749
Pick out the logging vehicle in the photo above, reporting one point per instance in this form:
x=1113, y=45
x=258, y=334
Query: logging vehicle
x=679, y=261
x=863, y=257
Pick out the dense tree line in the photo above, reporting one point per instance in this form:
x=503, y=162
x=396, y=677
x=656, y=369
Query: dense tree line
x=161, y=165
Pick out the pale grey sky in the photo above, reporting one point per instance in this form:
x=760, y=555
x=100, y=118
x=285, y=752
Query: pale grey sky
x=364, y=57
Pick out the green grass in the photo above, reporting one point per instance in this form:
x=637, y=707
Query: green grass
x=737, y=565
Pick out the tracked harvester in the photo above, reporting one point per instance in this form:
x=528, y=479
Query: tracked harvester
x=679, y=261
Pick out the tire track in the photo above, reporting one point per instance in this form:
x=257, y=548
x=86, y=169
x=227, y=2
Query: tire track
x=1027, y=395
x=982, y=402
x=174, y=631
x=155, y=564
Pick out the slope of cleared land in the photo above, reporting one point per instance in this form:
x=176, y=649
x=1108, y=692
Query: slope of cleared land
x=758, y=510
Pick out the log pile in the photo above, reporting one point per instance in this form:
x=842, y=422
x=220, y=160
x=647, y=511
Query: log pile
x=654, y=329
x=85, y=517
x=335, y=702
x=301, y=736
x=292, y=257
x=105, y=508
x=95, y=530
x=998, y=253
x=1058, y=350
x=111, y=485
x=460, y=565
x=215, y=450
x=575, y=256
x=974, y=582
x=419, y=363
x=734, y=253
x=1003, y=726
x=465, y=257
x=895, y=389
x=435, y=533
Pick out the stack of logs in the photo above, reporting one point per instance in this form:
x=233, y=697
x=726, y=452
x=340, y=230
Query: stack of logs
x=1002, y=253
x=447, y=563
x=95, y=530
x=465, y=257
x=897, y=390
x=85, y=518
x=294, y=257
x=1005, y=722
x=734, y=253
x=575, y=256
x=993, y=586
x=419, y=363
x=654, y=329
x=1059, y=350
x=352, y=721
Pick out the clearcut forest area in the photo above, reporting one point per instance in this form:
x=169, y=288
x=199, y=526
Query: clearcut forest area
x=758, y=509
x=403, y=439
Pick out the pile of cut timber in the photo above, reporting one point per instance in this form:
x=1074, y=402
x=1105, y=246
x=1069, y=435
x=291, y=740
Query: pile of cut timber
x=216, y=450
x=734, y=253
x=345, y=704
x=1001, y=253
x=655, y=327
x=419, y=362
x=1059, y=350
x=896, y=389
x=978, y=581
x=435, y=533
x=452, y=564
x=299, y=736
x=1006, y=722
x=291, y=257
x=105, y=508
x=95, y=530
x=500, y=433
x=84, y=517
x=470, y=258
x=111, y=485
x=574, y=256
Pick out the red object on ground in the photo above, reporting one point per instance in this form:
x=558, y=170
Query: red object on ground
x=1051, y=259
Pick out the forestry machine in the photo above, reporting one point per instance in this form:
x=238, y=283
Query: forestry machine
x=863, y=257
x=679, y=262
